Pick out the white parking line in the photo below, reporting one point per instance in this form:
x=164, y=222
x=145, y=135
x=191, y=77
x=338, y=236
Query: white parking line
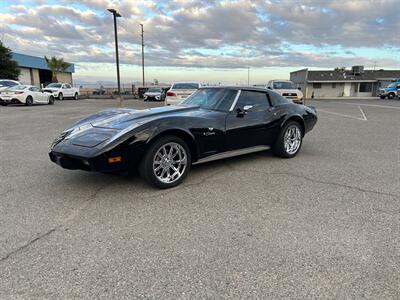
x=363, y=104
x=364, y=118
x=362, y=112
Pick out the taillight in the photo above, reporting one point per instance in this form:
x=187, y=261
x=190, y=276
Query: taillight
x=18, y=93
x=171, y=94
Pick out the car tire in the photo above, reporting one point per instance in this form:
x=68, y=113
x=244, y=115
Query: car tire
x=29, y=101
x=76, y=96
x=4, y=104
x=383, y=97
x=391, y=96
x=51, y=100
x=289, y=140
x=60, y=96
x=157, y=161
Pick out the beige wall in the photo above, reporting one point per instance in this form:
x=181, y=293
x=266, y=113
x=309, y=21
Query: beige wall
x=36, y=80
x=31, y=76
x=64, y=77
x=326, y=90
x=24, y=76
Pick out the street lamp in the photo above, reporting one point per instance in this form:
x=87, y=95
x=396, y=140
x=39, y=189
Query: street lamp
x=116, y=15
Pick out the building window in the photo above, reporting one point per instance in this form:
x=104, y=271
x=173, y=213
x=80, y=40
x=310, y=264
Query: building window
x=334, y=85
x=365, y=87
x=317, y=85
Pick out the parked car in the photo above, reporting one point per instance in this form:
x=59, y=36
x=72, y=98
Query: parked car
x=391, y=91
x=152, y=94
x=287, y=89
x=99, y=92
x=180, y=91
x=62, y=90
x=6, y=83
x=25, y=94
x=163, y=142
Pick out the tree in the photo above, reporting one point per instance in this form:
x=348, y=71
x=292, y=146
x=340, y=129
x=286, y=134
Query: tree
x=8, y=67
x=56, y=65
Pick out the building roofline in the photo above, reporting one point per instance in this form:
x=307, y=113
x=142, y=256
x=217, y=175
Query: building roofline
x=36, y=62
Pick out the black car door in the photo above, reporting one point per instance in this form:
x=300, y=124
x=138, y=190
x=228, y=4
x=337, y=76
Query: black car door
x=252, y=122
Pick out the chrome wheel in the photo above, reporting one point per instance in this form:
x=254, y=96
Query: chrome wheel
x=169, y=162
x=292, y=139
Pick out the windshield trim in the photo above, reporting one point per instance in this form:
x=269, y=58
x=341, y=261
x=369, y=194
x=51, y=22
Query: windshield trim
x=235, y=100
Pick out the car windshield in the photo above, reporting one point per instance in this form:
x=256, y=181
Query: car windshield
x=216, y=98
x=154, y=90
x=284, y=85
x=393, y=84
x=54, y=85
x=185, y=86
x=17, y=88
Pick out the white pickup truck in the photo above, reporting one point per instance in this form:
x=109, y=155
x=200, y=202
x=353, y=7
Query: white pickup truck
x=62, y=90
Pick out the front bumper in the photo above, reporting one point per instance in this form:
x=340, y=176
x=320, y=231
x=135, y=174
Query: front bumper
x=97, y=164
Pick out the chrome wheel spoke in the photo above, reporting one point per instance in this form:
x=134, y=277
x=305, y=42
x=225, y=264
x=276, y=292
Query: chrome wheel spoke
x=169, y=162
x=292, y=139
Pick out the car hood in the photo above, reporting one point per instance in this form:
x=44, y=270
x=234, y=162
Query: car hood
x=119, y=119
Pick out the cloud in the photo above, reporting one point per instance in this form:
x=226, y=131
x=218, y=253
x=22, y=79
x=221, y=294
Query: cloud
x=208, y=34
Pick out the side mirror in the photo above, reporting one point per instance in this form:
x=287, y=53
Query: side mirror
x=240, y=113
x=299, y=88
x=269, y=88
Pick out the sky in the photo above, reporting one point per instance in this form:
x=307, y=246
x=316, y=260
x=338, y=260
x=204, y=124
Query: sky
x=206, y=41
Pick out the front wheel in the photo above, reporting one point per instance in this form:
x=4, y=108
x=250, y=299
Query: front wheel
x=60, y=96
x=4, y=104
x=382, y=97
x=51, y=100
x=289, y=140
x=391, y=96
x=166, y=162
x=76, y=96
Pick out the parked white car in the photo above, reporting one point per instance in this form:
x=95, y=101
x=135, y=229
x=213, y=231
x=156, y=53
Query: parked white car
x=62, y=90
x=152, y=94
x=179, y=91
x=7, y=83
x=287, y=89
x=25, y=94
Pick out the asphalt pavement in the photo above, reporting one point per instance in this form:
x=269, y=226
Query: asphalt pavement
x=324, y=224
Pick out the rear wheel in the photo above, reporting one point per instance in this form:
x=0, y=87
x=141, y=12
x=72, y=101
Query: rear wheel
x=4, y=104
x=29, y=101
x=289, y=140
x=51, y=100
x=382, y=97
x=391, y=96
x=166, y=162
x=60, y=96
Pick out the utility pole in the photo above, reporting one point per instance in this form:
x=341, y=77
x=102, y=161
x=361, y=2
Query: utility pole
x=142, y=35
x=116, y=15
x=248, y=75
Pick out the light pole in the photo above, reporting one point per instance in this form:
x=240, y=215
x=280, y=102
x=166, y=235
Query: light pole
x=116, y=15
x=142, y=35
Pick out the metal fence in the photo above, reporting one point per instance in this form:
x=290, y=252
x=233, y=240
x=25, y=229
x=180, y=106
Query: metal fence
x=128, y=91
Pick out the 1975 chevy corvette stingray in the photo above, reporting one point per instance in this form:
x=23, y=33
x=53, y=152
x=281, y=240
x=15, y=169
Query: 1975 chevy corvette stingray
x=163, y=142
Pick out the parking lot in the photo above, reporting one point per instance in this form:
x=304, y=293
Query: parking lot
x=322, y=225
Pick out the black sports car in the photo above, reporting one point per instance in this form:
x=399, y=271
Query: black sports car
x=213, y=123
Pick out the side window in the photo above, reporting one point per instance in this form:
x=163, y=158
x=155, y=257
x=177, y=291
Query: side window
x=34, y=89
x=258, y=100
x=277, y=99
x=68, y=86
